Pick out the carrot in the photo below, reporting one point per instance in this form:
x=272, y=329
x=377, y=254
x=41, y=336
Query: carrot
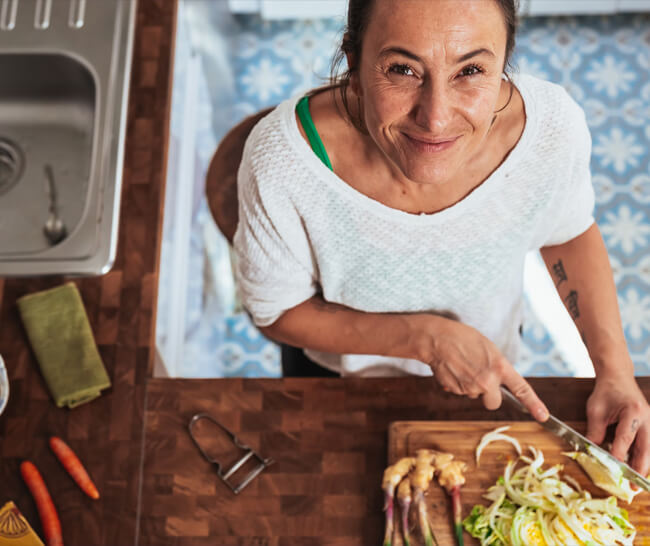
x=73, y=466
x=46, y=510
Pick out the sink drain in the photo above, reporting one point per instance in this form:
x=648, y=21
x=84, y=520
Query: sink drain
x=11, y=165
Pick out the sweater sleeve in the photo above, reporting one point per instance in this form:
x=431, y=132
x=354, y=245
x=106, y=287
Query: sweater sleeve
x=572, y=213
x=274, y=265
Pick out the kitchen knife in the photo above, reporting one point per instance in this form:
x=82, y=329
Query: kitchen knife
x=579, y=443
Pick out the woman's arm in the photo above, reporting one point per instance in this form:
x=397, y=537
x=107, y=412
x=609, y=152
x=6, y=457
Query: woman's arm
x=328, y=327
x=582, y=275
x=462, y=359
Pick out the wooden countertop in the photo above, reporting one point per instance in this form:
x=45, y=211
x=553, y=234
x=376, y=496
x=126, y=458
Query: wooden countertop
x=328, y=438
x=107, y=433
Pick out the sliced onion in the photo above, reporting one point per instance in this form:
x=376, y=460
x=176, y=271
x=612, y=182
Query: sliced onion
x=494, y=436
x=573, y=482
x=531, y=504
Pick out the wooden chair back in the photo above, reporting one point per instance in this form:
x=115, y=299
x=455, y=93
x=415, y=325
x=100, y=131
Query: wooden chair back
x=221, y=180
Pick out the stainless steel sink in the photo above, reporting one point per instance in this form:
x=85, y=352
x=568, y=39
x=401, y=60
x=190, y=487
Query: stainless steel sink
x=64, y=74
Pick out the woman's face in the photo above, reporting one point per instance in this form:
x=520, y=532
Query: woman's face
x=429, y=80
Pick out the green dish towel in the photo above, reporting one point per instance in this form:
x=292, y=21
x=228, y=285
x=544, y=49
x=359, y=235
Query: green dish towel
x=60, y=334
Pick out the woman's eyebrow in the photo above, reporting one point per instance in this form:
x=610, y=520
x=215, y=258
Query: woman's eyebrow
x=474, y=53
x=406, y=53
x=401, y=51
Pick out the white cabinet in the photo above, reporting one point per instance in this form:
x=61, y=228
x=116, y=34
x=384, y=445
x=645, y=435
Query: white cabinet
x=581, y=7
x=632, y=5
x=291, y=9
x=314, y=9
x=566, y=7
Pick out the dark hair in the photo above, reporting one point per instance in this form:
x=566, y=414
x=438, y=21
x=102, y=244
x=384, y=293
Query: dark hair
x=359, y=12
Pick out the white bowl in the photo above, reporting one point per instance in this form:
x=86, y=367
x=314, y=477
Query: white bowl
x=4, y=386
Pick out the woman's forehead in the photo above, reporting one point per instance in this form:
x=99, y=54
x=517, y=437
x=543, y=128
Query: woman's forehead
x=424, y=27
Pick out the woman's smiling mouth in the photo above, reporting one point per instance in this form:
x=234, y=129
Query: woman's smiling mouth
x=421, y=144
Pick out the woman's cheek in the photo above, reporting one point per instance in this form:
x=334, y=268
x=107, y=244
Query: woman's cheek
x=389, y=104
x=394, y=108
x=478, y=106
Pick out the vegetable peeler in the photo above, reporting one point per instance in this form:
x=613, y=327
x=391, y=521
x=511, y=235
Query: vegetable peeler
x=225, y=476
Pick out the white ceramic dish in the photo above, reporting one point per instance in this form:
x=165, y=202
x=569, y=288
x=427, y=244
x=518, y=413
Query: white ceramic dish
x=4, y=386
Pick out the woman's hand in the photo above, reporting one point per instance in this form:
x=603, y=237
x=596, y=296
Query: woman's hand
x=618, y=399
x=466, y=362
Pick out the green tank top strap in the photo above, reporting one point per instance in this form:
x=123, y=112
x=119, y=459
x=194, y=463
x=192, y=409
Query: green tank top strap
x=302, y=109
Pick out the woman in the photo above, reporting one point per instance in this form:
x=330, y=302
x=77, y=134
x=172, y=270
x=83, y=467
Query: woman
x=384, y=221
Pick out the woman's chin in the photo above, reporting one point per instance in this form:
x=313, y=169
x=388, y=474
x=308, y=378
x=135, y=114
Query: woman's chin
x=427, y=174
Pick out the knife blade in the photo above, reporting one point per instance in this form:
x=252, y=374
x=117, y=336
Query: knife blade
x=579, y=443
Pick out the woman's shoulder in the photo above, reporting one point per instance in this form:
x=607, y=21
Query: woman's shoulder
x=278, y=141
x=281, y=132
x=552, y=100
x=275, y=158
x=561, y=121
x=270, y=151
x=271, y=131
x=328, y=111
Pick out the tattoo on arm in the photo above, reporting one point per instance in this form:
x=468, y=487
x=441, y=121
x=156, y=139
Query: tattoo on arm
x=571, y=302
x=559, y=273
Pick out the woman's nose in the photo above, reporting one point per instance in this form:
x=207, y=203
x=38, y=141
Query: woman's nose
x=433, y=108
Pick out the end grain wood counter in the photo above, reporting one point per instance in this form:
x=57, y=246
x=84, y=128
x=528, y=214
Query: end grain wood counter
x=328, y=438
x=107, y=433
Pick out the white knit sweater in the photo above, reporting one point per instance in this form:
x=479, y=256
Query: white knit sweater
x=303, y=230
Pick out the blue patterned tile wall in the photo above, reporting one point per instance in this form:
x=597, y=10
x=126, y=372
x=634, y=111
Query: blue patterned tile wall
x=604, y=62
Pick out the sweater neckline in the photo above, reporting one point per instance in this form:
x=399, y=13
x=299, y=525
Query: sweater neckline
x=491, y=184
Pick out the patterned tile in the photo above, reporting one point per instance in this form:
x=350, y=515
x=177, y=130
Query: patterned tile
x=604, y=62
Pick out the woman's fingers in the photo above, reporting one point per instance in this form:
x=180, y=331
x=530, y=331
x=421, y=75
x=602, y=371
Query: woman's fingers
x=525, y=393
x=479, y=369
x=619, y=400
x=492, y=394
x=641, y=452
x=596, y=422
x=626, y=432
x=447, y=380
x=492, y=399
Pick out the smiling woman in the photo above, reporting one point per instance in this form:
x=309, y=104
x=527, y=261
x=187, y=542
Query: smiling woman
x=384, y=220
x=428, y=89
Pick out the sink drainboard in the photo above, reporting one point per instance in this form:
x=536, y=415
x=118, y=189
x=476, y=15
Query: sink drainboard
x=11, y=165
x=65, y=67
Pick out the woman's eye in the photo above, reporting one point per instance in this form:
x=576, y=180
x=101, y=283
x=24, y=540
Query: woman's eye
x=471, y=70
x=401, y=70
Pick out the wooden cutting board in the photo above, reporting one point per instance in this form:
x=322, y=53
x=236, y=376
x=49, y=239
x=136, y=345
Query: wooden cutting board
x=461, y=439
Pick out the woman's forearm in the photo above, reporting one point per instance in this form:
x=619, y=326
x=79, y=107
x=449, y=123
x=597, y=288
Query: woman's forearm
x=322, y=326
x=461, y=358
x=583, y=277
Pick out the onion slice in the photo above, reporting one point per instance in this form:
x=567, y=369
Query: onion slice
x=533, y=505
x=495, y=436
